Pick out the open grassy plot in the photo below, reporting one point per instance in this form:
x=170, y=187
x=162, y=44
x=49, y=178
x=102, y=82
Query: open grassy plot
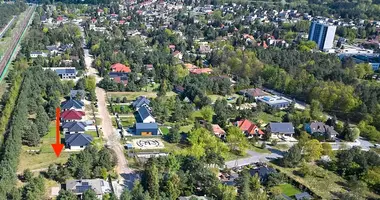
x=265, y=118
x=127, y=121
x=134, y=95
x=186, y=128
x=288, y=190
x=151, y=87
x=92, y=133
x=45, y=157
x=214, y=97
x=322, y=186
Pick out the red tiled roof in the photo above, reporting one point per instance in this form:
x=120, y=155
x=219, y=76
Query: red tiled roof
x=190, y=66
x=72, y=115
x=248, y=127
x=118, y=67
x=217, y=129
x=201, y=71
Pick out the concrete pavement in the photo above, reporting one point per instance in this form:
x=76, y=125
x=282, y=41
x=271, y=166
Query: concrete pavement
x=255, y=157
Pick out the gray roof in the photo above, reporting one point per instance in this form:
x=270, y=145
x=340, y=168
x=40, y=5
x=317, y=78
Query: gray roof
x=140, y=101
x=286, y=127
x=73, y=93
x=146, y=126
x=303, y=195
x=143, y=113
x=74, y=126
x=78, y=139
x=322, y=128
x=72, y=103
x=65, y=71
x=100, y=186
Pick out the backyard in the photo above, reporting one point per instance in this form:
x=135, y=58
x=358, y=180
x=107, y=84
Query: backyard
x=288, y=190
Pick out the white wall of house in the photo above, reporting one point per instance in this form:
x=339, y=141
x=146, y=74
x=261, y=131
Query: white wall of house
x=149, y=119
x=78, y=148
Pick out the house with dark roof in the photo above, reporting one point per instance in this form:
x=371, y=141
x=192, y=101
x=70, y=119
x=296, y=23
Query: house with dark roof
x=146, y=129
x=249, y=129
x=139, y=102
x=144, y=115
x=77, y=141
x=178, y=89
x=78, y=187
x=263, y=172
x=320, y=128
x=119, y=77
x=281, y=128
x=71, y=115
x=77, y=94
x=73, y=127
x=65, y=72
x=72, y=104
x=303, y=196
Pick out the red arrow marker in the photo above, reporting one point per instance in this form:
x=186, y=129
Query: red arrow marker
x=57, y=147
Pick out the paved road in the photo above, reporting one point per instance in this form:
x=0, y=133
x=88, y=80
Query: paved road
x=255, y=157
x=110, y=135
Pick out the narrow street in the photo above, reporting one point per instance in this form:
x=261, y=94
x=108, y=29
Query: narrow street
x=110, y=136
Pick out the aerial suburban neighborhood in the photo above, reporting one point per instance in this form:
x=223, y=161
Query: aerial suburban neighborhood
x=189, y=99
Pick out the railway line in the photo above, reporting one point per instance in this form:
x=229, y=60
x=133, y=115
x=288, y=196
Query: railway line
x=6, y=59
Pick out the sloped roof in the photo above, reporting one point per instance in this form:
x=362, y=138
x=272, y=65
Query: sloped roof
x=72, y=115
x=140, y=101
x=78, y=139
x=100, y=186
x=286, y=127
x=74, y=126
x=72, y=103
x=118, y=67
x=217, y=129
x=249, y=127
x=146, y=126
x=143, y=113
x=73, y=93
x=303, y=195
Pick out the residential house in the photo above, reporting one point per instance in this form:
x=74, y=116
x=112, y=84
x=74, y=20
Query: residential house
x=146, y=129
x=139, y=102
x=275, y=101
x=53, y=49
x=77, y=141
x=253, y=93
x=249, y=128
x=71, y=115
x=192, y=197
x=72, y=104
x=118, y=67
x=178, y=89
x=320, y=128
x=218, y=131
x=281, y=128
x=201, y=71
x=204, y=49
x=78, y=187
x=119, y=77
x=177, y=54
x=262, y=172
x=77, y=94
x=73, y=127
x=64, y=72
x=303, y=196
x=35, y=54
x=144, y=115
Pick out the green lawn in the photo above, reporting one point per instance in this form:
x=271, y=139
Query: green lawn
x=151, y=87
x=46, y=155
x=164, y=130
x=186, y=128
x=92, y=133
x=258, y=149
x=127, y=121
x=133, y=95
x=265, y=118
x=288, y=190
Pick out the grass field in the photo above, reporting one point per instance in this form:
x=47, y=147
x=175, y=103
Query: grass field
x=127, y=121
x=134, y=95
x=186, y=129
x=92, y=133
x=265, y=118
x=288, y=190
x=46, y=155
x=164, y=130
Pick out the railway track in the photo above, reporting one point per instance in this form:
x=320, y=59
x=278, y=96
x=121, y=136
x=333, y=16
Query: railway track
x=7, y=57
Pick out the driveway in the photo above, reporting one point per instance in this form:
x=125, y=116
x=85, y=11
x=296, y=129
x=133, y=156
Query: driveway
x=255, y=157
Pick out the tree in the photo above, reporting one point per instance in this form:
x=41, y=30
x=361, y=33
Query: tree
x=207, y=113
x=52, y=171
x=327, y=149
x=316, y=110
x=66, y=195
x=152, y=181
x=313, y=150
x=173, y=187
x=174, y=136
x=42, y=121
x=89, y=195
x=352, y=134
x=236, y=140
x=126, y=195
x=292, y=157
x=226, y=192
x=28, y=175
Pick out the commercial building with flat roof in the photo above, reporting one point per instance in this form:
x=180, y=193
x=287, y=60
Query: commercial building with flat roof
x=323, y=34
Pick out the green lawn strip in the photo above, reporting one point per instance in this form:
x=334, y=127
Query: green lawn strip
x=164, y=130
x=94, y=134
x=288, y=190
x=128, y=121
x=131, y=96
x=265, y=118
x=186, y=129
x=258, y=149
